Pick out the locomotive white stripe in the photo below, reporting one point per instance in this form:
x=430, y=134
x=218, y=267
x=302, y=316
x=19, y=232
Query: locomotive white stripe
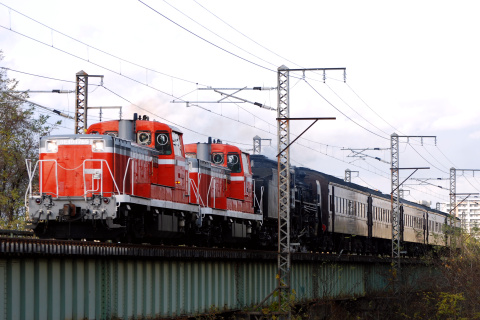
x=187, y=207
x=166, y=161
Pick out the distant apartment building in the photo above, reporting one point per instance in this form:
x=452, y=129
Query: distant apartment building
x=468, y=212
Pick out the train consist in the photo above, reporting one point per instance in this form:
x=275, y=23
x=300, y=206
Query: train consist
x=332, y=215
x=135, y=181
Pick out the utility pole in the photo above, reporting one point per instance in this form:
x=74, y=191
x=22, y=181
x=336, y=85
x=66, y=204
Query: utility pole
x=81, y=104
x=283, y=136
x=395, y=200
x=257, y=144
x=348, y=175
x=453, y=195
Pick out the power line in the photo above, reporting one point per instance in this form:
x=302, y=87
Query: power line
x=36, y=75
x=217, y=34
x=176, y=124
x=244, y=34
x=427, y=160
x=344, y=113
x=356, y=111
x=207, y=41
x=137, y=65
x=99, y=50
x=395, y=129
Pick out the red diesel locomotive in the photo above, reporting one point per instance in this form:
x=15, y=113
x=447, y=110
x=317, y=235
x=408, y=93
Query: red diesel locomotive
x=135, y=181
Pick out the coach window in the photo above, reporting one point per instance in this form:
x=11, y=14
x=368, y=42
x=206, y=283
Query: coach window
x=233, y=162
x=162, y=142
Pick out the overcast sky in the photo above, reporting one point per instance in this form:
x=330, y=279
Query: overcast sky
x=412, y=68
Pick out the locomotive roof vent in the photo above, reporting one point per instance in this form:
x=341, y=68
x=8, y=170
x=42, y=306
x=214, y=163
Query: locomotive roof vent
x=203, y=151
x=126, y=130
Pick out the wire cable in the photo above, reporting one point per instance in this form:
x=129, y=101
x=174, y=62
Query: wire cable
x=205, y=40
x=426, y=159
x=99, y=50
x=373, y=110
x=245, y=35
x=233, y=44
x=331, y=104
x=356, y=111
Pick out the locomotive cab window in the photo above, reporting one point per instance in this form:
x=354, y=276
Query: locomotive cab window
x=217, y=158
x=233, y=162
x=144, y=138
x=162, y=142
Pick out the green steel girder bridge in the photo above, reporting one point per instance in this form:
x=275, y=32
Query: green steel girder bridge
x=47, y=279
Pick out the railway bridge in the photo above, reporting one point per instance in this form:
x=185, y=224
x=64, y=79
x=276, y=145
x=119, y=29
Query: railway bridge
x=47, y=279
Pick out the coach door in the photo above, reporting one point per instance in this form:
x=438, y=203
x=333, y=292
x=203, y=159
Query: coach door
x=370, y=216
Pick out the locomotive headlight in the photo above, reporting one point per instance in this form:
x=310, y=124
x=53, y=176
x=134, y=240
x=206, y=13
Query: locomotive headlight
x=52, y=146
x=98, y=145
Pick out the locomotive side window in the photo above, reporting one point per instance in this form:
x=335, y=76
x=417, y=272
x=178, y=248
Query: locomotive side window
x=177, y=145
x=144, y=138
x=233, y=162
x=217, y=158
x=162, y=142
x=245, y=163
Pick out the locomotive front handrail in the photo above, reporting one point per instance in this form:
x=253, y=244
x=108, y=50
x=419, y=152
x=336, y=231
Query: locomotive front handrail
x=102, y=161
x=212, y=181
x=196, y=191
x=40, y=172
x=126, y=173
x=39, y=166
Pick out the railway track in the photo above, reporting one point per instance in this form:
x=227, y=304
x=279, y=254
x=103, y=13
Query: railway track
x=30, y=247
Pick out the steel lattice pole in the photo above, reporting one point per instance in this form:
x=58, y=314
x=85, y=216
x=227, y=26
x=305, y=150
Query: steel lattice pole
x=453, y=195
x=395, y=200
x=348, y=175
x=81, y=102
x=283, y=135
x=257, y=145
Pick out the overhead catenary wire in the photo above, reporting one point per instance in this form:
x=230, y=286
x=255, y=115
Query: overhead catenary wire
x=331, y=104
x=226, y=117
x=356, y=111
x=95, y=48
x=216, y=34
x=108, y=69
x=205, y=40
x=259, y=44
x=149, y=69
